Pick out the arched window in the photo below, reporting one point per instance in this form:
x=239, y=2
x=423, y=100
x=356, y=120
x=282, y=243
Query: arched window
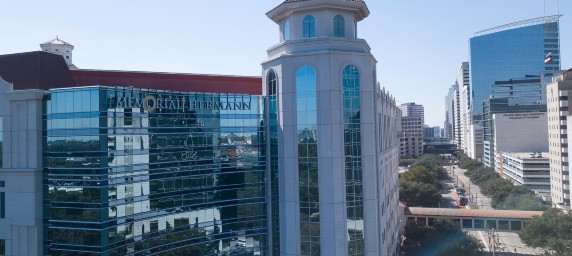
x=307, y=119
x=339, y=26
x=271, y=81
x=309, y=26
x=353, y=155
x=286, y=30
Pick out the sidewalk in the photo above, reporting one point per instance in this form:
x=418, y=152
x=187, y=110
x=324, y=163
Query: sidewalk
x=508, y=243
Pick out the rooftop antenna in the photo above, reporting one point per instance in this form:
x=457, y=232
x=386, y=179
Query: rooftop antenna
x=545, y=8
x=558, y=3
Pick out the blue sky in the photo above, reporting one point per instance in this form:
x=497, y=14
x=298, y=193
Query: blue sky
x=419, y=44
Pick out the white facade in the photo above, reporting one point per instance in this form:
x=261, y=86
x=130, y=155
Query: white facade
x=21, y=170
x=527, y=169
x=509, y=135
x=62, y=48
x=457, y=117
x=328, y=56
x=558, y=106
x=464, y=109
x=475, y=142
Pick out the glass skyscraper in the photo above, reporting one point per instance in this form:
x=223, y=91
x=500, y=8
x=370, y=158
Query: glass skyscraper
x=512, y=51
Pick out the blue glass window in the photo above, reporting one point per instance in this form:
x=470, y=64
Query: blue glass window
x=309, y=26
x=353, y=163
x=286, y=29
x=339, y=26
x=308, y=160
x=272, y=85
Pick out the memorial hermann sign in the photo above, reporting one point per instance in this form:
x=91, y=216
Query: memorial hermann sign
x=151, y=103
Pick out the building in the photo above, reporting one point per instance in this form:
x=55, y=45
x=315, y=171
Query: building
x=512, y=51
x=558, y=110
x=333, y=181
x=412, y=129
x=411, y=137
x=300, y=161
x=450, y=115
x=62, y=48
x=509, y=135
x=475, y=141
x=457, y=116
x=497, y=106
x=464, y=104
x=411, y=109
x=527, y=169
x=429, y=132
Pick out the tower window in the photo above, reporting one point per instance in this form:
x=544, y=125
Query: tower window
x=286, y=31
x=339, y=26
x=309, y=26
x=272, y=83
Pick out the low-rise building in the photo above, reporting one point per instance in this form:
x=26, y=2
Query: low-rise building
x=527, y=169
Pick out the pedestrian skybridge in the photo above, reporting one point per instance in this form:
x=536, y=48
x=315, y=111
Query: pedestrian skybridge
x=472, y=219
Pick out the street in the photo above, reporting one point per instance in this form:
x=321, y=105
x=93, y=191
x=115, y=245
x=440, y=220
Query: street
x=508, y=243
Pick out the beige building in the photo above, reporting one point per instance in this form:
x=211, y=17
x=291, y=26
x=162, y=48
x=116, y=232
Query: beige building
x=411, y=137
x=557, y=106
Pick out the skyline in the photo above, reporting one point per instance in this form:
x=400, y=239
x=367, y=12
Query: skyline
x=425, y=40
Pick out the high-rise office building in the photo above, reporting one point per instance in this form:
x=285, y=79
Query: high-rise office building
x=299, y=162
x=457, y=117
x=450, y=114
x=558, y=109
x=512, y=51
x=329, y=180
x=411, y=137
x=411, y=109
x=412, y=129
x=465, y=103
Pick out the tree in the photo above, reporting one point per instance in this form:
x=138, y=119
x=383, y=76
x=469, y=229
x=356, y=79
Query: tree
x=552, y=230
x=443, y=238
x=419, y=194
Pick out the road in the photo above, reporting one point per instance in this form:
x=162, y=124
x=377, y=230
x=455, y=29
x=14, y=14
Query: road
x=507, y=242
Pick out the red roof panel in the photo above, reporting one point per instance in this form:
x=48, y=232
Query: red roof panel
x=170, y=81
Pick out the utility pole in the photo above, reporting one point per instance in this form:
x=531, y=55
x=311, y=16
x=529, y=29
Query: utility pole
x=492, y=241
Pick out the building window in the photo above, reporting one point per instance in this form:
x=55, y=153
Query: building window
x=307, y=130
x=2, y=247
x=286, y=30
x=353, y=163
x=339, y=26
x=1, y=140
x=272, y=83
x=2, y=205
x=309, y=26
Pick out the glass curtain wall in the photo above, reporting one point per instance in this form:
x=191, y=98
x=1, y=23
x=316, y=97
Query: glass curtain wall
x=272, y=83
x=353, y=164
x=510, y=54
x=138, y=172
x=307, y=117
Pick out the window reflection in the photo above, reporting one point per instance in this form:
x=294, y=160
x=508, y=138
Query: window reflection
x=353, y=164
x=184, y=181
x=308, y=160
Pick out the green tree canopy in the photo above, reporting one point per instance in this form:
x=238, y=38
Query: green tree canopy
x=443, y=238
x=552, y=230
